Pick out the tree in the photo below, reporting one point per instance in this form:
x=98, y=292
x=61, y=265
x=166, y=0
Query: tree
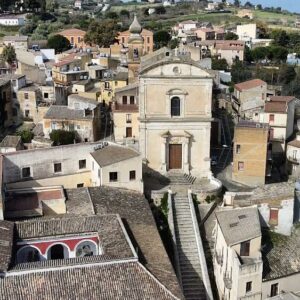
x=286, y=74
x=239, y=72
x=219, y=64
x=160, y=10
x=26, y=135
x=125, y=13
x=174, y=43
x=62, y=137
x=248, y=4
x=237, y=3
x=259, y=7
x=59, y=43
x=277, y=53
x=259, y=53
x=231, y=36
x=9, y=54
x=111, y=15
x=280, y=38
x=161, y=38
x=102, y=33
x=51, y=5
x=248, y=54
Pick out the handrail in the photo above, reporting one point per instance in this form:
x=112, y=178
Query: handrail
x=172, y=229
x=205, y=276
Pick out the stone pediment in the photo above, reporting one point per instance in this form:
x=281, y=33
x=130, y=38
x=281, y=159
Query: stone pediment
x=177, y=133
x=177, y=91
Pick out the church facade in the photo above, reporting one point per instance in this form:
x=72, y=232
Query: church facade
x=175, y=98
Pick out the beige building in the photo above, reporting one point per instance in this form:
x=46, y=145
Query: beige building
x=82, y=115
x=75, y=37
x=237, y=254
x=110, y=84
x=251, y=95
x=229, y=50
x=18, y=42
x=29, y=98
x=125, y=114
x=245, y=13
x=205, y=34
x=75, y=165
x=250, y=153
x=147, y=36
x=117, y=166
x=175, y=97
x=279, y=113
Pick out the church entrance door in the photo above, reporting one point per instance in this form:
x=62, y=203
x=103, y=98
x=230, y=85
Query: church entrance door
x=175, y=156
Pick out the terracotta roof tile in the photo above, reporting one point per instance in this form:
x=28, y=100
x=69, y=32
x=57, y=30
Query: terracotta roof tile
x=250, y=84
x=282, y=98
x=72, y=31
x=275, y=107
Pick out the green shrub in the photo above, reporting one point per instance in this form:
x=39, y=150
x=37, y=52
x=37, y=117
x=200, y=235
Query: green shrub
x=62, y=137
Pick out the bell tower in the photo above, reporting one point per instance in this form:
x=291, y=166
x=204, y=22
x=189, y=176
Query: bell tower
x=135, y=50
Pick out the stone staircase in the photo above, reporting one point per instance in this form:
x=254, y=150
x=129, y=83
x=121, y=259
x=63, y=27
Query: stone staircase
x=189, y=264
x=181, y=179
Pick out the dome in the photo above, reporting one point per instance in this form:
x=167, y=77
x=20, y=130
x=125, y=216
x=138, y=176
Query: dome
x=135, y=27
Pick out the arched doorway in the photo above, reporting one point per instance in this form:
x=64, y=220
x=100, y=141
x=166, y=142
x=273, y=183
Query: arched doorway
x=57, y=252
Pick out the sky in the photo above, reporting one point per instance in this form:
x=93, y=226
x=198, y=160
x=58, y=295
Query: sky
x=291, y=5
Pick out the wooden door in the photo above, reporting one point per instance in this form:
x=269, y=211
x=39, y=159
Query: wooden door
x=128, y=132
x=175, y=156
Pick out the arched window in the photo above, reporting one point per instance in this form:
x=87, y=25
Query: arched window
x=86, y=248
x=28, y=254
x=175, y=106
x=57, y=251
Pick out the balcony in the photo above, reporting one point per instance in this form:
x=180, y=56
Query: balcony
x=125, y=107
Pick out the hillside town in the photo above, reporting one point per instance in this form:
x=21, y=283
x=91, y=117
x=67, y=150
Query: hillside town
x=149, y=150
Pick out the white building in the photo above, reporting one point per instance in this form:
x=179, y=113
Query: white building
x=279, y=113
x=78, y=4
x=237, y=258
x=76, y=165
x=293, y=157
x=246, y=32
x=12, y=20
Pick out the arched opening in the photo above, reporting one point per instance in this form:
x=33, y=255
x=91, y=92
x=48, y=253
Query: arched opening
x=175, y=106
x=57, y=252
x=86, y=248
x=28, y=254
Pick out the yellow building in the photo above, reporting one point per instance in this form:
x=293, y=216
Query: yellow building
x=29, y=98
x=125, y=114
x=109, y=85
x=250, y=153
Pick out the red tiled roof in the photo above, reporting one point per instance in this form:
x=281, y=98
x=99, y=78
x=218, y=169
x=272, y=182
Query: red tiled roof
x=250, y=84
x=276, y=107
x=282, y=98
x=72, y=31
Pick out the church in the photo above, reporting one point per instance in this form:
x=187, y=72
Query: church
x=174, y=108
